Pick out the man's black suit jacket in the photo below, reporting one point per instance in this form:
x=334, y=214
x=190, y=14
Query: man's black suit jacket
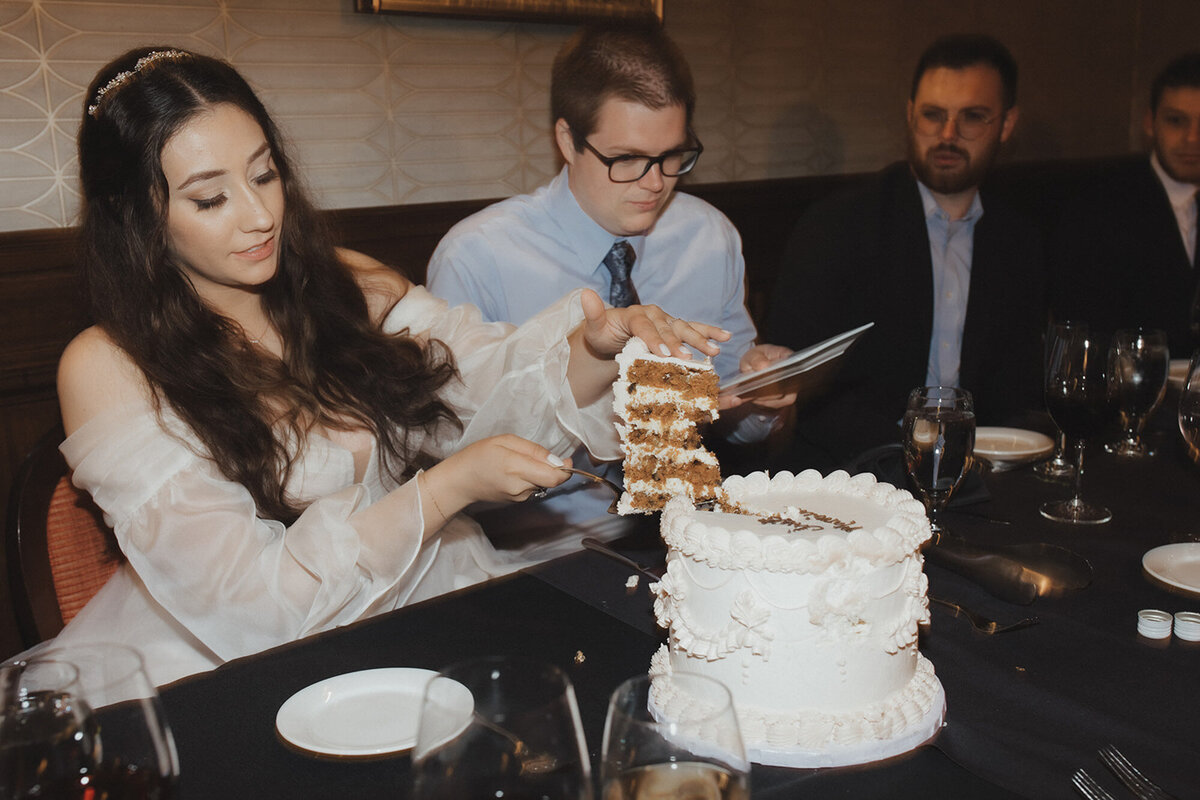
x=863, y=256
x=1117, y=259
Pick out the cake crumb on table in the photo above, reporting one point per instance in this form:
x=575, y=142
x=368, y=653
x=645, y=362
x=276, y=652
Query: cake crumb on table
x=580, y=657
x=631, y=582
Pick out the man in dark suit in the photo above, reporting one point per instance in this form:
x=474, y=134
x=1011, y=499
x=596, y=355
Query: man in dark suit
x=951, y=279
x=1124, y=254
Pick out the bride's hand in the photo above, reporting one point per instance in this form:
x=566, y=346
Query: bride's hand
x=606, y=330
x=499, y=468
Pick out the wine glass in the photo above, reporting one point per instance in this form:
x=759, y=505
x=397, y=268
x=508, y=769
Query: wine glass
x=673, y=737
x=1059, y=465
x=500, y=728
x=1189, y=408
x=1138, y=362
x=1079, y=401
x=48, y=734
x=939, y=441
x=135, y=752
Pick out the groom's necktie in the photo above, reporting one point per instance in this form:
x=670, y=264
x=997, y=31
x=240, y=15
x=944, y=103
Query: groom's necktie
x=619, y=262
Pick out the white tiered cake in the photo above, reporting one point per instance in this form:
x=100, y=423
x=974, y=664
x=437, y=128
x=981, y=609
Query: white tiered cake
x=803, y=595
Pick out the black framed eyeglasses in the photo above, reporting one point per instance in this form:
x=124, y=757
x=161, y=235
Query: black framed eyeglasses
x=629, y=168
x=969, y=123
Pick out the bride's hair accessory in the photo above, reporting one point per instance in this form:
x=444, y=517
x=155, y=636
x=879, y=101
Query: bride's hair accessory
x=121, y=77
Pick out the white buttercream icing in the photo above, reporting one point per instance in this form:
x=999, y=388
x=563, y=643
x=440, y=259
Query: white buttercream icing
x=812, y=619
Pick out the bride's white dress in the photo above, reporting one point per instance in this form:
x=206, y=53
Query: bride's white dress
x=206, y=580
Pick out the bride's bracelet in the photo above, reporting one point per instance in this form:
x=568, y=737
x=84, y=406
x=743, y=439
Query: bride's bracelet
x=432, y=499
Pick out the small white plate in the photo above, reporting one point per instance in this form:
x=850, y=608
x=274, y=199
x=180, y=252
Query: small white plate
x=367, y=713
x=1177, y=372
x=1176, y=565
x=1011, y=446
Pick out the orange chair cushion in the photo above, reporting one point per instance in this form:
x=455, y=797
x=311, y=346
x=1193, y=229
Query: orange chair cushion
x=81, y=558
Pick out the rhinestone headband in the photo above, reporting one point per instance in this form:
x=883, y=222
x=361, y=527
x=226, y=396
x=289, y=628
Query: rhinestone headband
x=121, y=78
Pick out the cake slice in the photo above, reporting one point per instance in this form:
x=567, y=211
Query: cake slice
x=661, y=402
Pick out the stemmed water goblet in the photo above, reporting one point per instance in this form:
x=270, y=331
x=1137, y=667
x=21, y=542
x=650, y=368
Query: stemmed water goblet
x=673, y=738
x=1079, y=401
x=1189, y=408
x=1060, y=465
x=1138, y=363
x=500, y=727
x=939, y=442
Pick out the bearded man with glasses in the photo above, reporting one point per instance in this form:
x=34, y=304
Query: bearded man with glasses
x=951, y=277
x=621, y=104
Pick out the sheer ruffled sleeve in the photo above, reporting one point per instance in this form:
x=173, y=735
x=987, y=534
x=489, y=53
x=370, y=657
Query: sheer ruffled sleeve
x=238, y=583
x=513, y=380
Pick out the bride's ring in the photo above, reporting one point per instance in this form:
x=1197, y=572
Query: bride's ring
x=539, y=493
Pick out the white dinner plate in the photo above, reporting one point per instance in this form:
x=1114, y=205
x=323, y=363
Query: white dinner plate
x=1011, y=446
x=1177, y=372
x=367, y=713
x=1176, y=565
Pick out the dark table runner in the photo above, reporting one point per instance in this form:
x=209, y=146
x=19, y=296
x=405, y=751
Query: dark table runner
x=1025, y=709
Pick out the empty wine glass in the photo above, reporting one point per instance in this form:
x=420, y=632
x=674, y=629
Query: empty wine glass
x=500, y=728
x=135, y=754
x=1189, y=409
x=1078, y=399
x=674, y=738
x=48, y=734
x=1138, y=363
x=1059, y=466
x=939, y=441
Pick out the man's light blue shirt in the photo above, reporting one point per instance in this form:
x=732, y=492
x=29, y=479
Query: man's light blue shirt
x=951, y=246
x=517, y=256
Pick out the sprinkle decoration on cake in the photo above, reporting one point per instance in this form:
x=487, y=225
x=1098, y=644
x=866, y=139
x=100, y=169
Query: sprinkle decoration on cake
x=662, y=401
x=803, y=594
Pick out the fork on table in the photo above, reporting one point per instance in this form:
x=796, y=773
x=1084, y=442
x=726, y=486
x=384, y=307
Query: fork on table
x=1086, y=785
x=1142, y=787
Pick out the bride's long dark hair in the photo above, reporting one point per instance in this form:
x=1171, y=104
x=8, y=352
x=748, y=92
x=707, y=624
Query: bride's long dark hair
x=338, y=369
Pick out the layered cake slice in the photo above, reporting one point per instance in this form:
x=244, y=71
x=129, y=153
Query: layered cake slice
x=661, y=402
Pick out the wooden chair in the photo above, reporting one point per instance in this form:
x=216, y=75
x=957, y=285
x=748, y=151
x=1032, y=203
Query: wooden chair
x=58, y=548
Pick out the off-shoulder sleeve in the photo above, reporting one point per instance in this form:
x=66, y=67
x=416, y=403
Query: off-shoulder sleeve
x=513, y=380
x=239, y=583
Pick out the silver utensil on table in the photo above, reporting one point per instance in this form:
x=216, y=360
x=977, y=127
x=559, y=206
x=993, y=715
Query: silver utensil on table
x=1086, y=786
x=981, y=623
x=1141, y=786
x=597, y=546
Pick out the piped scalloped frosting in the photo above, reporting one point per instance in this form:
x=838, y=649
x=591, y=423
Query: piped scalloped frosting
x=813, y=729
x=756, y=527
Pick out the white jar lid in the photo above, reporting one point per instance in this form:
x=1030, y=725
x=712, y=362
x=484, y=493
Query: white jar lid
x=1187, y=625
x=1154, y=624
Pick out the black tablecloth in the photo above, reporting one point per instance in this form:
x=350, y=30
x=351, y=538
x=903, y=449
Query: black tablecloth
x=1025, y=709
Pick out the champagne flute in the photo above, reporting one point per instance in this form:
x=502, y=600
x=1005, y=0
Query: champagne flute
x=1078, y=399
x=1058, y=466
x=673, y=738
x=135, y=754
x=500, y=728
x=939, y=441
x=1189, y=409
x=1138, y=363
x=48, y=734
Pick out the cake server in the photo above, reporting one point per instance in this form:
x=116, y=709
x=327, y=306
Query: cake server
x=597, y=546
x=617, y=490
x=1016, y=573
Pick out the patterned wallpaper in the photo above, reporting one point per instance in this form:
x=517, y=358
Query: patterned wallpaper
x=394, y=109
